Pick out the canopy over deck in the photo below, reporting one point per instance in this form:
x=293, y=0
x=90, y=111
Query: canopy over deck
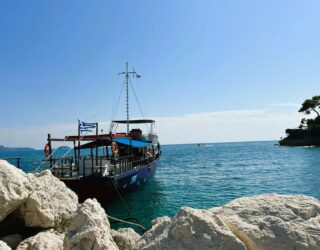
x=139, y=121
x=95, y=144
x=133, y=143
x=107, y=142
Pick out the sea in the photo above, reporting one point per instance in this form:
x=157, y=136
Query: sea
x=211, y=175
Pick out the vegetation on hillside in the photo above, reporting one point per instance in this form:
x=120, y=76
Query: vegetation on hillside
x=308, y=132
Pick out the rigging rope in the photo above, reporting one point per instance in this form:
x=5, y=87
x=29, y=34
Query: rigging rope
x=135, y=95
x=115, y=107
x=139, y=106
x=50, y=155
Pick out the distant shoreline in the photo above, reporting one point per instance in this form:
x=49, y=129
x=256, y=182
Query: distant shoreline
x=14, y=149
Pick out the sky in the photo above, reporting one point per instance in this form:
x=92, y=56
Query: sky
x=212, y=71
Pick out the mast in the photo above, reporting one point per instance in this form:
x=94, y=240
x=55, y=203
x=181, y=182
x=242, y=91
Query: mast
x=126, y=74
x=127, y=97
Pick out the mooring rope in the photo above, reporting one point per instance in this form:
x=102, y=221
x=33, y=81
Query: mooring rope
x=114, y=182
x=128, y=222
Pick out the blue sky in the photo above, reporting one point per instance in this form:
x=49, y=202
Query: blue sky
x=60, y=59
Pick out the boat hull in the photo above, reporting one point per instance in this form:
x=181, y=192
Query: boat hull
x=104, y=188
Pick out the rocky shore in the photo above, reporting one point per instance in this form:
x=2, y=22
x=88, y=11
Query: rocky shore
x=37, y=211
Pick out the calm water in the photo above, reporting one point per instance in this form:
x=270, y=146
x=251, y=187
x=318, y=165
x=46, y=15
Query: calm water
x=204, y=177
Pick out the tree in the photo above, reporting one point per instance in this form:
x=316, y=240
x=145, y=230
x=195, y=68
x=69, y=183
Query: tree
x=312, y=104
x=303, y=123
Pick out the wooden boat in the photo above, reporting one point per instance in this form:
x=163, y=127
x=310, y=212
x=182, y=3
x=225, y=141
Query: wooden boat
x=104, y=166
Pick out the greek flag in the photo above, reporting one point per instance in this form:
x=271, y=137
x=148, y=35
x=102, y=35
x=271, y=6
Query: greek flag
x=86, y=126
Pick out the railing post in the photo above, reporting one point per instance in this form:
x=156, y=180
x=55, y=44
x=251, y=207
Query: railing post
x=70, y=168
x=84, y=167
x=100, y=166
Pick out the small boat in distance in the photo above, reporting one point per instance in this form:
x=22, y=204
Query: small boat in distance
x=102, y=165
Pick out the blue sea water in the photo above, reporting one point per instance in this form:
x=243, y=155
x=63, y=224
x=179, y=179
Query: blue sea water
x=212, y=175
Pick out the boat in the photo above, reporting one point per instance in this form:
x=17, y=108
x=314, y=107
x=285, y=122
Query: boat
x=106, y=165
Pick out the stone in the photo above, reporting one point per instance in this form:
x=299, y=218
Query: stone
x=12, y=240
x=190, y=229
x=125, y=238
x=273, y=221
x=15, y=188
x=50, y=205
x=4, y=246
x=49, y=240
x=262, y=222
x=89, y=229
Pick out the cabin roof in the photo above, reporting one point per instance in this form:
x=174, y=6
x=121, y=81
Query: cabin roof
x=94, y=144
x=107, y=142
x=138, y=121
x=87, y=137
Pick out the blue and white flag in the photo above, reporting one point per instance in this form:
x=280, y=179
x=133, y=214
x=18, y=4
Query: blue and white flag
x=86, y=127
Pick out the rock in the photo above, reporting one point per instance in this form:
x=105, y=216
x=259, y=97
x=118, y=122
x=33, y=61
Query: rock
x=273, y=221
x=89, y=228
x=14, y=188
x=50, y=240
x=190, y=229
x=4, y=246
x=125, y=238
x=51, y=204
x=12, y=240
x=260, y=222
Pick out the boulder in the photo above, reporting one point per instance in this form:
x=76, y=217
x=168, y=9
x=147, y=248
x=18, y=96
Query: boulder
x=12, y=240
x=4, y=246
x=89, y=228
x=262, y=222
x=273, y=221
x=125, y=238
x=15, y=188
x=190, y=229
x=51, y=204
x=50, y=240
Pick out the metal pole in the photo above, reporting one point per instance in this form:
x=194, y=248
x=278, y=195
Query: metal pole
x=127, y=97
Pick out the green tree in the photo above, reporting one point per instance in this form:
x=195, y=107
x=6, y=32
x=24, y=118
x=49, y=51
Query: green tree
x=310, y=105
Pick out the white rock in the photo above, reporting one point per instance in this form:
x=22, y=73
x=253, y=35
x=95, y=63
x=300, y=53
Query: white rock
x=49, y=240
x=125, y=238
x=12, y=240
x=190, y=229
x=51, y=204
x=274, y=221
x=260, y=222
x=4, y=246
x=14, y=188
x=89, y=228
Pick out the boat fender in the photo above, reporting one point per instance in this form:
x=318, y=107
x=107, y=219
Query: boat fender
x=46, y=150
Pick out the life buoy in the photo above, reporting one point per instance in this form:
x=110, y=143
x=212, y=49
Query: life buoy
x=47, y=150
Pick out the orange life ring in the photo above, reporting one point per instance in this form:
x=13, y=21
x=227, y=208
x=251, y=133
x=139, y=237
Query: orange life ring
x=47, y=150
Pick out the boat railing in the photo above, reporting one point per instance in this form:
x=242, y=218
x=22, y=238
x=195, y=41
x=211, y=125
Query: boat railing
x=73, y=167
x=16, y=160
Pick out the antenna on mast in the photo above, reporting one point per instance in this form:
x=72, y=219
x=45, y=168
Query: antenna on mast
x=127, y=73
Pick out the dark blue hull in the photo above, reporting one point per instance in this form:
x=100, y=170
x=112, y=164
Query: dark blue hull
x=104, y=188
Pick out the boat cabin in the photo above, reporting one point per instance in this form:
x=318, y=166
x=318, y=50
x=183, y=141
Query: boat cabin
x=112, y=154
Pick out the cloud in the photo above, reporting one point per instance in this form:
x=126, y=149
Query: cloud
x=234, y=125
x=285, y=104
x=221, y=126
